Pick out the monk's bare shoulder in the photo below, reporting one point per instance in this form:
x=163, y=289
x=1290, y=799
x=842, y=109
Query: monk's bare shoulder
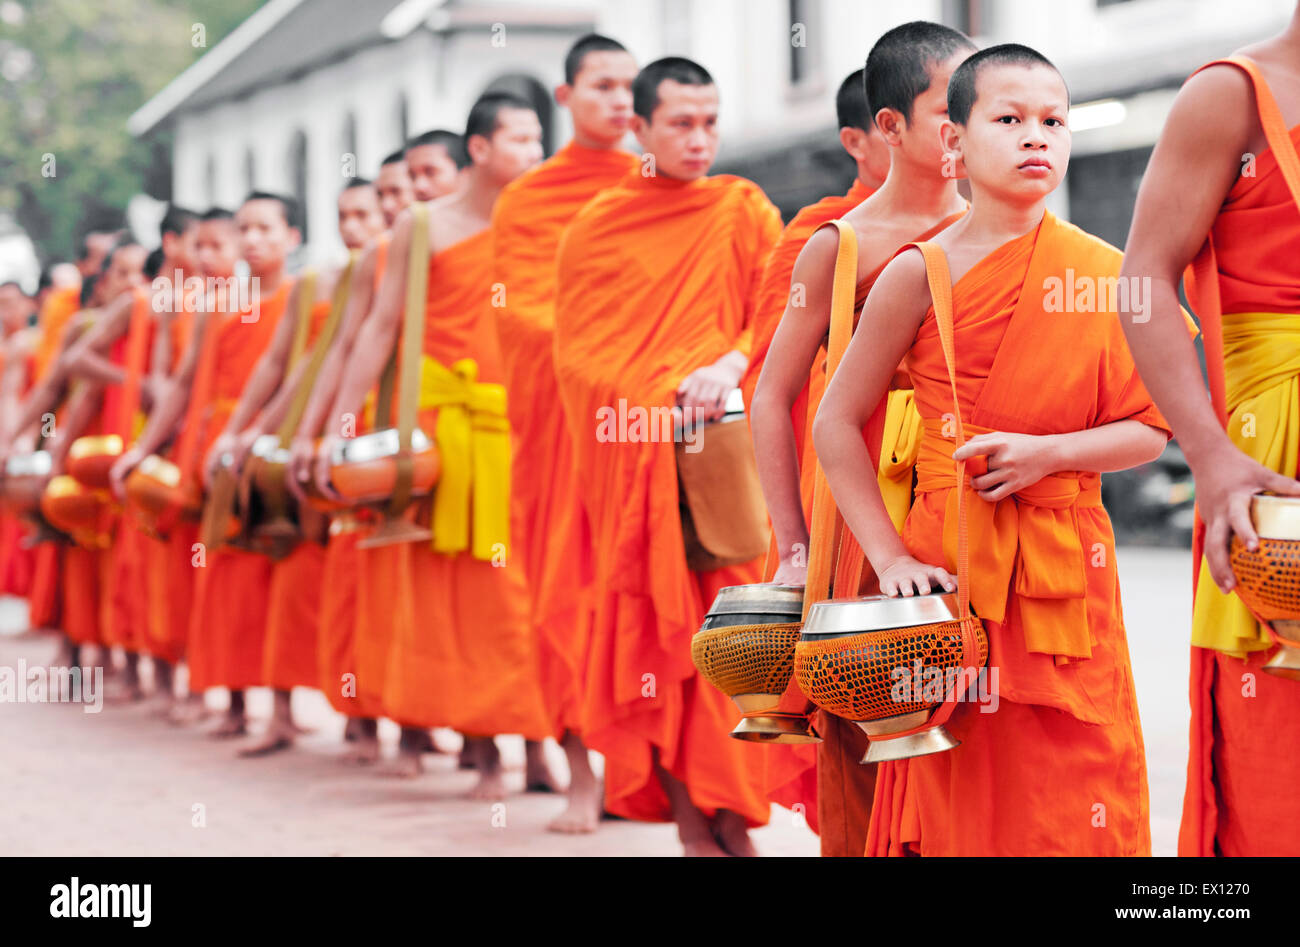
x=816, y=261
x=1214, y=112
x=901, y=293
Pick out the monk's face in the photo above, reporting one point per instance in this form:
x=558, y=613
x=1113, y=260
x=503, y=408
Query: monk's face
x=179, y=248
x=216, y=249
x=433, y=172
x=514, y=147
x=360, y=219
x=125, y=270
x=1016, y=144
x=600, y=98
x=393, y=187
x=682, y=134
x=916, y=138
x=265, y=237
x=98, y=246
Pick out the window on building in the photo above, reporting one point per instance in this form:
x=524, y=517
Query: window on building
x=298, y=178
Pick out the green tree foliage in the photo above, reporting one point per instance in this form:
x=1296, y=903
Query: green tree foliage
x=71, y=73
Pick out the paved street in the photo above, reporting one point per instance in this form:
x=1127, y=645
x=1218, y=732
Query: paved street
x=123, y=783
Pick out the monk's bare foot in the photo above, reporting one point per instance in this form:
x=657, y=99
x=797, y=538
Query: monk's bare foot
x=491, y=785
x=189, y=711
x=732, y=834
x=466, y=758
x=582, y=815
x=352, y=730
x=364, y=752
x=233, y=725
x=405, y=766
x=702, y=848
x=120, y=692
x=278, y=736
x=537, y=771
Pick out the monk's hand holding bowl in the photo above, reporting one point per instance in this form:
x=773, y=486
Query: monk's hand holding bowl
x=1226, y=479
x=706, y=389
x=324, y=460
x=1000, y=463
x=302, y=454
x=224, y=444
x=790, y=572
x=244, y=445
x=907, y=576
x=121, y=469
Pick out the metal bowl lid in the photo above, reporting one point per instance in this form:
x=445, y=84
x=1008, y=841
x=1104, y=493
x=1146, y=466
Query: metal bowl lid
x=377, y=445
x=842, y=616
x=1275, y=517
x=36, y=464
x=761, y=599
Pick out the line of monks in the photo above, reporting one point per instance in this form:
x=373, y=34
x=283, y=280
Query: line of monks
x=499, y=305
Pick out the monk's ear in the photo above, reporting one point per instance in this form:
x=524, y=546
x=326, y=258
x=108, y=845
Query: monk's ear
x=892, y=125
x=295, y=237
x=478, y=147
x=853, y=141
x=562, y=93
x=640, y=128
x=950, y=137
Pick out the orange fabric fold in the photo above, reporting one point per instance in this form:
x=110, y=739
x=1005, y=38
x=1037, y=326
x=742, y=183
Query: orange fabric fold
x=1064, y=738
x=656, y=278
x=293, y=615
x=462, y=653
x=546, y=511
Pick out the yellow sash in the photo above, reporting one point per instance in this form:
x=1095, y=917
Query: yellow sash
x=1261, y=366
x=899, y=444
x=473, y=438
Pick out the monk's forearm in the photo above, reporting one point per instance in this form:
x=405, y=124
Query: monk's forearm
x=39, y=403
x=277, y=409
x=165, y=417
x=777, y=457
x=80, y=412
x=375, y=342
x=1115, y=446
x=261, y=386
x=1166, y=360
x=93, y=367
x=849, y=471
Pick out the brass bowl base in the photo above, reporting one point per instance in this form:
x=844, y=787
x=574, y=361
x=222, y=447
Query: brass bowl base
x=934, y=740
x=776, y=728
x=1285, y=663
x=394, y=531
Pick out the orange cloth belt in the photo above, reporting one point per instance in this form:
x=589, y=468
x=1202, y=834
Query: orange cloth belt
x=1031, y=538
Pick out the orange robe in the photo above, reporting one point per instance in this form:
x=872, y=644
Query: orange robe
x=829, y=779
x=353, y=639
x=1058, y=767
x=228, y=624
x=528, y=220
x=657, y=278
x=59, y=308
x=462, y=653
x=125, y=606
x=294, y=606
x=170, y=563
x=1241, y=773
x=17, y=562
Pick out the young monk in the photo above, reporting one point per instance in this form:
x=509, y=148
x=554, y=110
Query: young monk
x=65, y=302
x=637, y=268
x=293, y=614
x=357, y=676
x=1216, y=196
x=530, y=216
x=337, y=642
x=870, y=153
x=228, y=619
x=461, y=653
x=117, y=351
x=906, y=82
x=1049, y=399
x=17, y=342
x=171, y=574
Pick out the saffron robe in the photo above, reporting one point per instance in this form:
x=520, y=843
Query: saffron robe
x=1240, y=778
x=463, y=655
x=527, y=222
x=657, y=278
x=228, y=624
x=1058, y=768
x=294, y=599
